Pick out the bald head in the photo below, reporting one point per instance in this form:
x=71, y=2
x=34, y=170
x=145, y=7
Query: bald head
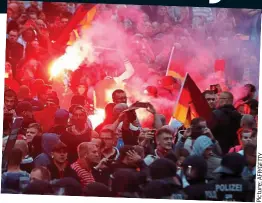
x=84, y=148
x=225, y=98
x=89, y=152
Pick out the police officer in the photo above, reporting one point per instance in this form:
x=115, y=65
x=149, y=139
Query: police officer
x=229, y=186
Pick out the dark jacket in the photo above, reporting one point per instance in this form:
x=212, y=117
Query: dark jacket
x=14, y=53
x=27, y=164
x=49, y=140
x=58, y=129
x=130, y=137
x=227, y=122
x=15, y=181
x=72, y=141
x=56, y=174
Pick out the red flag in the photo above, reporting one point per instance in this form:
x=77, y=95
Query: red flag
x=46, y=117
x=191, y=103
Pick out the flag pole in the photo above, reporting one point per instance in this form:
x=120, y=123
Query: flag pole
x=170, y=59
x=180, y=92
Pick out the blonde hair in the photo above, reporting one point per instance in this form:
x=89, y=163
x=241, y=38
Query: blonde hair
x=36, y=126
x=83, y=148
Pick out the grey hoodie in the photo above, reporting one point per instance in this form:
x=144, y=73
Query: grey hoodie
x=49, y=140
x=199, y=147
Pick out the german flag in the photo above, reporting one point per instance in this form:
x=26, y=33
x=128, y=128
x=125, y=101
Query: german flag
x=191, y=103
x=82, y=19
x=176, y=66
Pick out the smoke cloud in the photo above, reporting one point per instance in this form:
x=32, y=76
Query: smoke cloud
x=127, y=31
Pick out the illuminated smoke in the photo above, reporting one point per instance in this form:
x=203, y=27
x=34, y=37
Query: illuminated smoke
x=121, y=36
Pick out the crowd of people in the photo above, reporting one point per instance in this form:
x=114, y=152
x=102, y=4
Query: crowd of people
x=60, y=152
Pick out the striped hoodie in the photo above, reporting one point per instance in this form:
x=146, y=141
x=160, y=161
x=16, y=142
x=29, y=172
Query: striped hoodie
x=85, y=176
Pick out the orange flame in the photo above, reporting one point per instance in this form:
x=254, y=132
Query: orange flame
x=97, y=118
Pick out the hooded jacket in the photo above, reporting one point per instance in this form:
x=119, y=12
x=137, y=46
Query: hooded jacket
x=200, y=145
x=49, y=140
x=227, y=120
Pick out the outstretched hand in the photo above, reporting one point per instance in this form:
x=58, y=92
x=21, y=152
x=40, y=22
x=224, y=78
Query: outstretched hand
x=187, y=133
x=134, y=156
x=151, y=108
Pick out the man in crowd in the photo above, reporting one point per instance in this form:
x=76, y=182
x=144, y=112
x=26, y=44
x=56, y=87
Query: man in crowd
x=40, y=173
x=60, y=167
x=78, y=132
x=14, y=50
x=229, y=187
x=250, y=91
x=204, y=146
x=87, y=155
x=164, y=142
x=193, y=173
x=227, y=120
x=129, y=158
x=11, y=179
x=10, y=102
x=24, y=109
x=49, y=140
x=197, y=128
x=119, y=96
x=34, y=129
x=60, y=122
x=250, y=154
x=109, y=150
x=210, y=96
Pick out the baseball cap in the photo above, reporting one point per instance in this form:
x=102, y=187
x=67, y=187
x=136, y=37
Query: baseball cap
x=61, y=115
x=232, y=164
x=59, y=146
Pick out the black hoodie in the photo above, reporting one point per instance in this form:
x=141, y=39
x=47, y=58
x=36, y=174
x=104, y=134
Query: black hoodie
x=227, y=122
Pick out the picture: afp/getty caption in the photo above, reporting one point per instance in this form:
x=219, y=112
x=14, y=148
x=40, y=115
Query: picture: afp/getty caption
x=131, y=101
